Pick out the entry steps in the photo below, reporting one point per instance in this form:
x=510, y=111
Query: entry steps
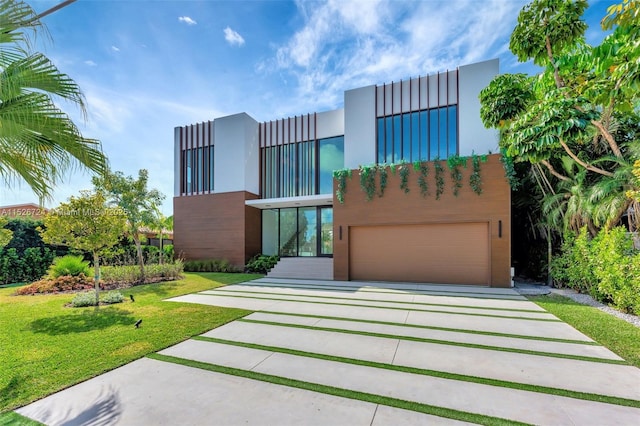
x=318, y=268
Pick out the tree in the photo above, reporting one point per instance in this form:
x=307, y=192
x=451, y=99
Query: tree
x=136, y=201
x=85, y=223
x=39, y=143
x=161, y=224
x=583, y=107
x=5, y=234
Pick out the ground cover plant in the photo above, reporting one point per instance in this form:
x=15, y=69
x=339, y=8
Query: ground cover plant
x=616, y=334
x=45, y=347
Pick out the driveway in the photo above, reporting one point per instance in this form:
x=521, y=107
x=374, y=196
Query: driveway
x=355, y=353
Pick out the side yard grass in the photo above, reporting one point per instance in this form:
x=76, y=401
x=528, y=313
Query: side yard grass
x=46, y=347
x=616, y=334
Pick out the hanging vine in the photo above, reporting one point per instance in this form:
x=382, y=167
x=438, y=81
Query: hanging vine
x=437, y=165
x=341, y=177
x=475, y=182
x=403, y=169
x=455, y=162
x=423, y=170
x=384, y=177
x=368, y=180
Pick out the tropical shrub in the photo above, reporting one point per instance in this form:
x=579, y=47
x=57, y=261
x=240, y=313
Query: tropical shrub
x=261, y=263
x=29, y=265
x=130, y=275
x=88, y=298
x=607, y=267
x=69, y=265
x=209, y=265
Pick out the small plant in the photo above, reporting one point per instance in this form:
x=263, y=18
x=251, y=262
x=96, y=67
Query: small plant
x=437, y=165
x=384, y=177
x=261, y=263
x=69, y=265
x=88, y=298
x=368, y=180
x=423, y=169
x=474, y=179
x=403, y=169
x=209, y=265
x=455, y=162
x=341, y=177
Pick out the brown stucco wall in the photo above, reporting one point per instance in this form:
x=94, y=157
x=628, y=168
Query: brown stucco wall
x=396, y=208
x=216, y=226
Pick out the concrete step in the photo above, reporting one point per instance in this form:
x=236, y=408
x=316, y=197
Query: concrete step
x=303, y=267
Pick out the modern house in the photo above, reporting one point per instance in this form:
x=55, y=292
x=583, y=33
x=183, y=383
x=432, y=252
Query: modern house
x=244, y=187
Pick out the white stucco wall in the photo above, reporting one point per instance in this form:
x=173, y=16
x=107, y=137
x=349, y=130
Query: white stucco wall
x=474, y=137
x=236, y=154
x=330, y=124
x=359, y=126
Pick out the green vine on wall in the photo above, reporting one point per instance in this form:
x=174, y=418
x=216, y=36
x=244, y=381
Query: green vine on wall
x=384, y=178
x=368, y=180
x=403, y=169
x=423, y=170
x=437, y=165
x=475, y=182
x=455, y=162
x=341, y=177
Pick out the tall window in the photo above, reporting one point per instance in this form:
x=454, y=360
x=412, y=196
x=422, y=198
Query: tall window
x=303, y=168
x=197, y=170
x=419, y=135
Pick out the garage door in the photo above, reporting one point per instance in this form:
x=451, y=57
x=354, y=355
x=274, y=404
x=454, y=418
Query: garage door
x=455, y=253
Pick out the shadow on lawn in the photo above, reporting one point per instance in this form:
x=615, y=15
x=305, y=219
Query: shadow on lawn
x=87, y=320
x=12, y=389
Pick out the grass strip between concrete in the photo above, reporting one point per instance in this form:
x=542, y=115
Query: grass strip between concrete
x=531, y=311
x=344, y=393
x=369, y=289
x=225, y=294
x=434, y=373
x=430, y=327
x=439, y=342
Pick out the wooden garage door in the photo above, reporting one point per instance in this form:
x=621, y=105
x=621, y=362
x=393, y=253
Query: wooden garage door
x=440, y=253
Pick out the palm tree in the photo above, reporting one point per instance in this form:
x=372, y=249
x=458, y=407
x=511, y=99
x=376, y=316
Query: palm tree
x=39, y=143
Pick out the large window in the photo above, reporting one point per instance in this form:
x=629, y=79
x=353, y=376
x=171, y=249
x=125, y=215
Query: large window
x=303, y=168
x=419, y=135
x=298, y=231
x=197, y=170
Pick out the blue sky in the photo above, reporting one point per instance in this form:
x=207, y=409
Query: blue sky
x=148, y=66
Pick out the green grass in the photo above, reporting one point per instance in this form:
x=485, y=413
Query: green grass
x=45, y=347
x=616, y=334
x=344, y=393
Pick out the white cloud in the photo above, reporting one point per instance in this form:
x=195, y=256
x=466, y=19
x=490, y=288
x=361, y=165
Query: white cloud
x=115, y=49
x=90, y=63
x=187, y=20
x=232, y=37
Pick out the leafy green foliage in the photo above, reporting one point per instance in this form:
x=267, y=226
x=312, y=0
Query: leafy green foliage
x=543, y=23
x=506, y=97
x=88, y=298
x=454, y=163
x=31, y=265
x=39, y=143
x=341, y=178
x=439, y=172
x=404, y=170
x=209, y=265
x=384, y=178
x=128, y=275
x=475, y=180
x=423, y=169
x=261, y=263
x=607, y=267
x=368, y=180
x=69, y=265
x=5, y=234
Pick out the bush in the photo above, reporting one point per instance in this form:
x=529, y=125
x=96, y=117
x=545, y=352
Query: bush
x=262, y=263
x=57, y=285
x=69, y=265
x=88, y=298
x=210, y=265
x=168, y=253
x=607, y=267
x=130, y=275
x=32, y=264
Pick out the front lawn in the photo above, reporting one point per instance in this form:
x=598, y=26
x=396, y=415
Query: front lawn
x=616, y=334
x=45, y=347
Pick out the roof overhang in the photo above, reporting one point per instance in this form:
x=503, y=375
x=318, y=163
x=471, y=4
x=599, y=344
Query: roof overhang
x=279, y=203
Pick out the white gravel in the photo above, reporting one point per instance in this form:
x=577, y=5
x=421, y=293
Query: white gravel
x=531, y=289
x=585, y=299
